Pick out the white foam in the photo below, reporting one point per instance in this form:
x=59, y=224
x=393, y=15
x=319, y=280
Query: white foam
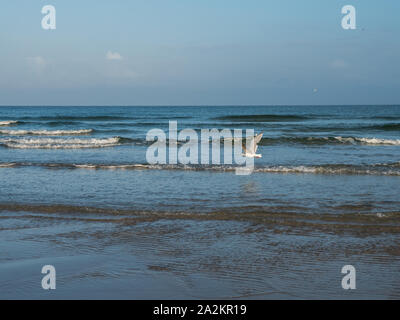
x=370, y=141
x=322, y=169
x=115, y=167
x=283, y=169
x=377, y=141
x=346, y=140
x=53, y=143
x=8, y=123
x=327, y=170
x=272, y=169
x=7, y=165
x=46, y=132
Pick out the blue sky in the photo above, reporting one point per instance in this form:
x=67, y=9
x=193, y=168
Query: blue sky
x=203, y=52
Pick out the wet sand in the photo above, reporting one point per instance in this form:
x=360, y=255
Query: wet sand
x=117, y=254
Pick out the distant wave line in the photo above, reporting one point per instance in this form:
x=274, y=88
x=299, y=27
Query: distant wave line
x=391, y=169
x=262, y=117
x=53, y=143
x=8, y=123
x=46, y=132
x=330, y=140
x=78, y=118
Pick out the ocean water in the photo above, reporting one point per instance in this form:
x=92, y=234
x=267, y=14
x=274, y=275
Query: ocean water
x=76, y=191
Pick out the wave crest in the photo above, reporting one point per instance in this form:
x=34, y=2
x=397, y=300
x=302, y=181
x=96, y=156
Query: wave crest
x=390, y=169
x=53, y=143
x=46, y=132
x=7, y=123
x=330, y=140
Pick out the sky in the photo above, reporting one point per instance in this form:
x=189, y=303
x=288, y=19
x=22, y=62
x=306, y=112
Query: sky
x=199, y=52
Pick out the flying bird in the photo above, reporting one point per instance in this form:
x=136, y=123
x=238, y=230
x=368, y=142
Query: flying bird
x=251, y=153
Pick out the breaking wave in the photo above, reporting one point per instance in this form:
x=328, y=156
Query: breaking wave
x=330, y=140
x=389, y=169
x=7, y=123
x=376, y=141
x=53, y=143
x=46, y=132
x=74, y=143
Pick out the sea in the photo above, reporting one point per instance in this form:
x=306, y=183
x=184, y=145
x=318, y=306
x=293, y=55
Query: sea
x=77, y=192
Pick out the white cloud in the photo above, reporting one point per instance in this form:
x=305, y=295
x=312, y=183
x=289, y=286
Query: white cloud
x=113, y=56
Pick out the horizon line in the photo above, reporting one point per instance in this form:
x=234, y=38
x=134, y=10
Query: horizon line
x=212, y=105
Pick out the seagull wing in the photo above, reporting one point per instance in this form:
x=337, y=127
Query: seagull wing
x=256, y=140
x=250, y=145
x=244, y=147
x=253, y=144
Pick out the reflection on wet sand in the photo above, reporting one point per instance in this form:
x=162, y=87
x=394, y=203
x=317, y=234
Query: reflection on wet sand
x=252, y=253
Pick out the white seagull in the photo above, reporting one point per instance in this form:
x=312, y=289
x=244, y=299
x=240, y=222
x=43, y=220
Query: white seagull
x=253, y=147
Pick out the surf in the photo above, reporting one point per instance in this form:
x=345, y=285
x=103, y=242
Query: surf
x=56, y=143
x=386, y=169
x=8, y=123
x=46, y=132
